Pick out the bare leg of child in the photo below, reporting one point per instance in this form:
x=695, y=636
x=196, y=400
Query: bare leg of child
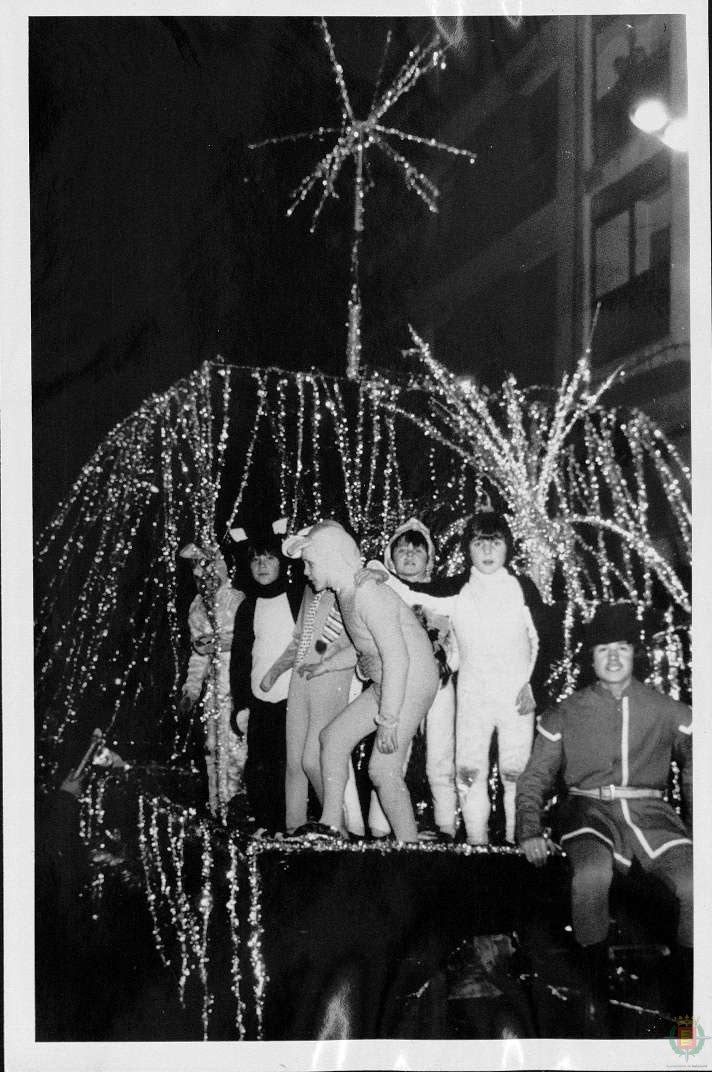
x=385, y=769
x=515, y=733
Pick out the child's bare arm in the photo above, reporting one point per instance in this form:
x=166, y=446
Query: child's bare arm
x=380, y=611
x=282, y=663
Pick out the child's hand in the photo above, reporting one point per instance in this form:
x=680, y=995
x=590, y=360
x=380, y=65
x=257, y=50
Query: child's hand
x=268, y=681
x=536, y=850
x=186, y=704
x=387, y=739
x=525, y=700
x=372, y=572
x=205, y=644
x=310, y=670
x=241, y=719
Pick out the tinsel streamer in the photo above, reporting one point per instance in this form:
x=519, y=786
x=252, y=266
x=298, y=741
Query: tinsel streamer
x=148, y=872
x=176, y=924
x=387, y=475
x=279, y=428
x=206, y=907
x=316, y=416
x=92, y=830
x=300, y=446
x=261, y=403
x=375, y=449
x=335, y=405
x=169, y=552
x=176, y=845
x=254, y=942
x=226, y=373
x=381, y=847
x=233, y=878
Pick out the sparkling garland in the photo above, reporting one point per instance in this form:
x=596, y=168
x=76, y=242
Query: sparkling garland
x=175, y=921
x=256, y=934
x=233, y=879
x=554, y=459
x=354, y=138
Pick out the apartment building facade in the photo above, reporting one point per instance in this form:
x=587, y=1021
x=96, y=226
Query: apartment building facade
x=570, y=209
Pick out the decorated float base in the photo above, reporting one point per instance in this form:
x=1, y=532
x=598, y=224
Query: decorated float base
x=155, y=922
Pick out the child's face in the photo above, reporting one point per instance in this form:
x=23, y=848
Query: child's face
x=613, y=663
x=410, y=562
x=488, y=553
x=264, y=568
x=314, y=568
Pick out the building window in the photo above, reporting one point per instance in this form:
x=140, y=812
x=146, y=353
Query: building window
x=631, y=262
x=632, y=57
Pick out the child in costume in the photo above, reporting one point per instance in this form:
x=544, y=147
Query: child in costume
x=323, y=660
x=211, y=619
x=410, y=556
x=264, y=625
x=491, y=612
x=498, y=646
x=395, y=655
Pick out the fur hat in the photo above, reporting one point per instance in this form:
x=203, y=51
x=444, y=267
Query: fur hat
x=613, y=622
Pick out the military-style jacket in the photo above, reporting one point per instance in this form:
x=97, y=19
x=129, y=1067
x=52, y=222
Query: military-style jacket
x=591, y=740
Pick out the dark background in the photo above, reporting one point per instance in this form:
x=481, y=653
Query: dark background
x=159, y=239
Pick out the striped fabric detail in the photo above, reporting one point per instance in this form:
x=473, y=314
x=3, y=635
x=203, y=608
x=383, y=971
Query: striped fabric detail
x=625, y=728
x=582, y=830
x=652, y=853
x=333, y=627
x=308, y=628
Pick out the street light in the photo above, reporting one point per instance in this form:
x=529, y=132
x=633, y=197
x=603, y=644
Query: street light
x=675, y=134
x=651, y=115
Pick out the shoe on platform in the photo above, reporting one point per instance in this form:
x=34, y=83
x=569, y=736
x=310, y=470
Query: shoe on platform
x=427, y=835
x=444, y=837
x=313, y=831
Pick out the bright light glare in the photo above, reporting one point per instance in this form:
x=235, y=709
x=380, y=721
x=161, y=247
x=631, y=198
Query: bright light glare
x=650, y=116
x=675, y=134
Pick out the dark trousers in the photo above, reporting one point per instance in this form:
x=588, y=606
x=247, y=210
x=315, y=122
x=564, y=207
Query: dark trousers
x=266, y=762
x=592, y=866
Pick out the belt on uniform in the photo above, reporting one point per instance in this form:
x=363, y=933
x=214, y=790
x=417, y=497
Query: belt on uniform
x=618, y=792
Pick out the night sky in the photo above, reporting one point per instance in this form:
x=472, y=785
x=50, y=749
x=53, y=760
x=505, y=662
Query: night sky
x=159, y=239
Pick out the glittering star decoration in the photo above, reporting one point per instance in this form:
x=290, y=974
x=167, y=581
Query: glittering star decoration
x=353, y=139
